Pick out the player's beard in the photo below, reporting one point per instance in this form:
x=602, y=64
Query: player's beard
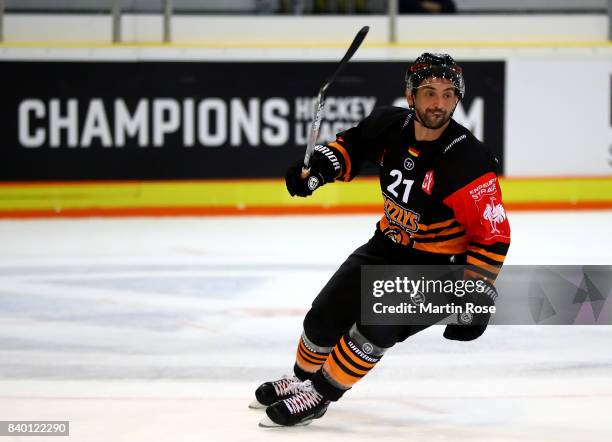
x=433, y=118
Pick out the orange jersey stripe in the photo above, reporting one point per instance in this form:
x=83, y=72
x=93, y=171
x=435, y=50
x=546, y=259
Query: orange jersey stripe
x=478, y=263
x=450, y=247
x=443, y=232
x=436, y=225
x=483, y=252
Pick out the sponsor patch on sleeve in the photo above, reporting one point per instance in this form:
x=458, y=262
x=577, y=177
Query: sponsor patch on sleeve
x=487, y=198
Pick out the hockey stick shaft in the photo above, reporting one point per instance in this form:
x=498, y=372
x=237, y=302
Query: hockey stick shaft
x=318, y=114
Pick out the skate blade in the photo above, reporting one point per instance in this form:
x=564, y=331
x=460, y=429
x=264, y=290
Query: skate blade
x=266, y=422
x=256, y=405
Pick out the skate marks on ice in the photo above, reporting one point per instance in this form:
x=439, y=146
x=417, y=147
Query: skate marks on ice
x=458, y=419
x=160, y=330
x=193, y=411
x=99, y=321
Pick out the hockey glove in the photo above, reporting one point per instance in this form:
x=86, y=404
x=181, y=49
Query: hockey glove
x=321, y=172
x=473, y=325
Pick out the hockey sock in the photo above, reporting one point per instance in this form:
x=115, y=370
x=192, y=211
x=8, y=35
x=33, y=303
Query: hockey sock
x=309, y=358
x=350, y=360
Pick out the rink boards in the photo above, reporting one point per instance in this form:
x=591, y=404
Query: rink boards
x=217, y=136
x=265, y=197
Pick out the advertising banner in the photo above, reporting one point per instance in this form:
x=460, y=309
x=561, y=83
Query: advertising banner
x=64, y=121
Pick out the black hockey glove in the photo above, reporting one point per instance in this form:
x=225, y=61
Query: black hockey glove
x=473, y=325
x=321, y=172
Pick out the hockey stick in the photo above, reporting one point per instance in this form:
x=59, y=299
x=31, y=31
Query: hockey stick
x=318, y=115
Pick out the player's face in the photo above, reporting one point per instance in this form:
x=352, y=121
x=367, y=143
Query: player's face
x=434, y=102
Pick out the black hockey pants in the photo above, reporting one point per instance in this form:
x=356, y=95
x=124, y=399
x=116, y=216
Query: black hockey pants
x=337, y=307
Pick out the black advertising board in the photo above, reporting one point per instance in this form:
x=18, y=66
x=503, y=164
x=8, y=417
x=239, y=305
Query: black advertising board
x=198, y=120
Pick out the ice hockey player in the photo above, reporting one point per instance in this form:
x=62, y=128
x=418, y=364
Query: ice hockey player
x=442, y=204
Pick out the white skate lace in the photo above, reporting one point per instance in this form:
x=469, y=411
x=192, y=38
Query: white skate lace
x=285, y=385
x=305, y=398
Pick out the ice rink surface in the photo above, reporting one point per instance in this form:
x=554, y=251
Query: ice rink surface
x=152, y=330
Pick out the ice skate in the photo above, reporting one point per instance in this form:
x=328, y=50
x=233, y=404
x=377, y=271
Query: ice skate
x=270, y=392
x=299, y=409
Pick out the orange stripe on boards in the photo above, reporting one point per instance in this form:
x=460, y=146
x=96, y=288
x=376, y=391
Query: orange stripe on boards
x=139, y=181
x=582, y=205
x=191, y=211
x=558, y=178
x=268, y=210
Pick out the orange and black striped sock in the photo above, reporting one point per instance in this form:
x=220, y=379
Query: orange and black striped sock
x=350, y=360
x=309, y=357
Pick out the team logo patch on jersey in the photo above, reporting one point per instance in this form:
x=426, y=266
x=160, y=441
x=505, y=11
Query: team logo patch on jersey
x=408, y=164
x=313, y=182
x=428, y=182
x=394, y=235
x=495, y=214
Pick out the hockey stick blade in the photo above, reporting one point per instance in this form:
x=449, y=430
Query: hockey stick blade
x=318, y=115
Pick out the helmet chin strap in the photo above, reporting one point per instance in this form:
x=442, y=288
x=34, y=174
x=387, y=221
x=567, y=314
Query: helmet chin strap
x=416, y=114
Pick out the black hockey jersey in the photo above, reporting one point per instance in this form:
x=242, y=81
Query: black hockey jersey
x=439, y=196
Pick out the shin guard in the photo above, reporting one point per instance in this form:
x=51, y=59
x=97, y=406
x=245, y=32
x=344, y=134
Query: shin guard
x=309, y=357
x=350, y=360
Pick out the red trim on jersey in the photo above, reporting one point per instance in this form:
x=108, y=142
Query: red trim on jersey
x=428, y=182
x=479, y=208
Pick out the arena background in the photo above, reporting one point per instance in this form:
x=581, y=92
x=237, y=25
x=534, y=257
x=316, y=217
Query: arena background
x=224, y=107
x=154, y=270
